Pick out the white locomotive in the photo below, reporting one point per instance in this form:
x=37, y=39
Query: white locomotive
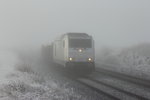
x=74, y=50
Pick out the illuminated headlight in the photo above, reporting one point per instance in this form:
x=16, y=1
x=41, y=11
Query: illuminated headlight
x=89, y=59
x=80, y=50
x=70, y=59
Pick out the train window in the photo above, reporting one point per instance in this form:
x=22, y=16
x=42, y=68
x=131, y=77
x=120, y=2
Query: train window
x=80, y=43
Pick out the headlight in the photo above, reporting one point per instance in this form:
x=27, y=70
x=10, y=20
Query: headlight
x=80, y=50
x=70, y=59
x=89, y=59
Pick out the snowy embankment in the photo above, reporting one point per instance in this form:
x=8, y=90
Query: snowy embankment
x=22, y=82
x=133, y=61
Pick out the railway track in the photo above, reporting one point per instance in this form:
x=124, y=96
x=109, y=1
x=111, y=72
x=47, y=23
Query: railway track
x=113, y=91
x=135, y=80
x=109, y=90
x=92, y=85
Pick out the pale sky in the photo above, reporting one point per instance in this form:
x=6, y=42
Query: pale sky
x=111, y=22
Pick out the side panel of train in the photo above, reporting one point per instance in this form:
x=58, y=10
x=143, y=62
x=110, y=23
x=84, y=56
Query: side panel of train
x=60, y=51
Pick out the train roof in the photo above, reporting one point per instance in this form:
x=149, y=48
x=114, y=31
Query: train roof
x=75, y=35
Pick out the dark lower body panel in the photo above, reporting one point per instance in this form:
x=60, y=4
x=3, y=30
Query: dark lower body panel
x=81, y=66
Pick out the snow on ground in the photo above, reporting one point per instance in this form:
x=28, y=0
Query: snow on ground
x=20, y=81
x=133, y=61
x=24, y=83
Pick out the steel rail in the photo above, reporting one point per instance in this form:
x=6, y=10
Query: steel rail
x=121, y=76
x=118, y=89
x=99, y=90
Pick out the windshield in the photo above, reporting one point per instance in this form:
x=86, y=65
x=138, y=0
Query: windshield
x=80, y=43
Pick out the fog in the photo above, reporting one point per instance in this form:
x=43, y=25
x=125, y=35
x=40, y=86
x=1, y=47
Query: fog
x=115, y=23
x=121, y=32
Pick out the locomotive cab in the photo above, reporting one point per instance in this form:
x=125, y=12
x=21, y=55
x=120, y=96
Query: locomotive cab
x=80, y=52
x=75, y=51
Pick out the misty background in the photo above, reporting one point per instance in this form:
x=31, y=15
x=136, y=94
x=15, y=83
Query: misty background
x=120, y=29
x=113, y=23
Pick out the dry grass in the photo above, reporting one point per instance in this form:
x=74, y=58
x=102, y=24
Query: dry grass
x=24, y=67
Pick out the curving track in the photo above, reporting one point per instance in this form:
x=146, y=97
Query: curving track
x=100, y=81
x=135, y=80
x=114, y=91
x=111, y=91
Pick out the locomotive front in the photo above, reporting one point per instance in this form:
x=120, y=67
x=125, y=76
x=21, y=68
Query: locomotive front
x=81, y=52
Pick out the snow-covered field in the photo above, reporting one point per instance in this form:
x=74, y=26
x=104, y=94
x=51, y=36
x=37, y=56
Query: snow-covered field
x=134, y=60
x=22, y=82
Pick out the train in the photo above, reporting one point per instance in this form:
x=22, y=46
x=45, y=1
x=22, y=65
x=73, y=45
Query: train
x=72, y=51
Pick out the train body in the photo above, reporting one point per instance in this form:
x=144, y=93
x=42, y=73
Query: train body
x=74, y=51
